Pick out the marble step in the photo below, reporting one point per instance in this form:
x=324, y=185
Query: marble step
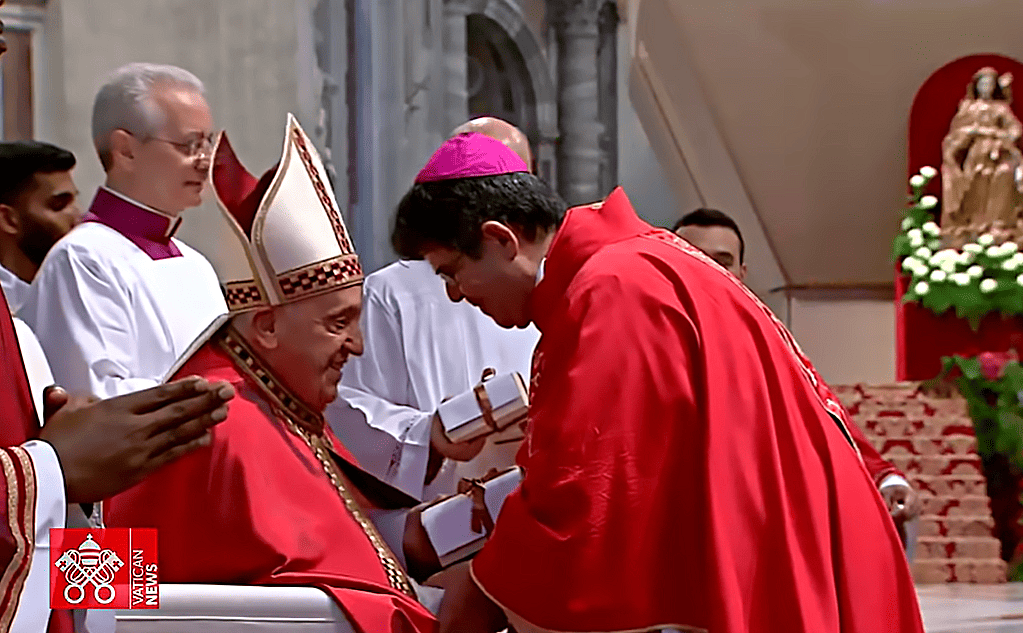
x=952, y=444
x=974, y=547
x=980, y=525
x=937, y=464
x=972, y=570
x=948, y=505
x=972, y=484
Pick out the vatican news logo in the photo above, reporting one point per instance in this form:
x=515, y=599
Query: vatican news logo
x=112, y=568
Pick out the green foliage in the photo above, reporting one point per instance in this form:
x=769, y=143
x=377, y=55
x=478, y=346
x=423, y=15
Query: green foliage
x=994, y=405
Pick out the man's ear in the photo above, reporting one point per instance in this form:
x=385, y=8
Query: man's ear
x=10, y=221
x=264, y=327
x=504, y=236
x=122, y=146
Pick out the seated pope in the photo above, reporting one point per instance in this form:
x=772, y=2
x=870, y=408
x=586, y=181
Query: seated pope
x=276, y=499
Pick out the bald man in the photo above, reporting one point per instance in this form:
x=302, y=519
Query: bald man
x=500, y=130
x=421, y=348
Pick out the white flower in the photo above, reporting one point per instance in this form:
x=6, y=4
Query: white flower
x=965, y=258
x=975, y=272
x=916, y=242
x=907, y=223
x=928, y=202
x=931, y=228
x=910, y=264
x=994, y=251
x=928, y=172
x=1010, y=247
x=986, y=239
x=948, y=265
x=1010, y=264
x=923, y=253
x=921, y=288
x=938, y=276
x=962, y=279
x=973, y=249
x=1019, y=280
x=917, y=181
x=988, y=285
x=915, y=234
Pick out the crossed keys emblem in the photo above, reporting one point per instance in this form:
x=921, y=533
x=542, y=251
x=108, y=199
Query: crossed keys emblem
x=89, y=564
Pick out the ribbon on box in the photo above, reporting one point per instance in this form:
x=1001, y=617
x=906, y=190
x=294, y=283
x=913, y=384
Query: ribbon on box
x=481, y=519
x=476, y=490
x=484, y=400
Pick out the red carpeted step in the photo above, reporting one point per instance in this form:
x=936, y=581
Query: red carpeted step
x=931, y=439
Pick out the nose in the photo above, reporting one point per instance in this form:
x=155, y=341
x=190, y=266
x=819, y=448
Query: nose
x=76, y=214
x=453, y=292
x=202, y=161
x=354, y=343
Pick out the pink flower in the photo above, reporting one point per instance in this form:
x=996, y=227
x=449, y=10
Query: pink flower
x=992, y=363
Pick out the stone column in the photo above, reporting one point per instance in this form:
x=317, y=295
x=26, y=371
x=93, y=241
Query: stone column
x=456, y=68
x=579, y=153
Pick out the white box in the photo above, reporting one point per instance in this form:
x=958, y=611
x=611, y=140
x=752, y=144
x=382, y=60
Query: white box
x=464, y=417
x=449, y=523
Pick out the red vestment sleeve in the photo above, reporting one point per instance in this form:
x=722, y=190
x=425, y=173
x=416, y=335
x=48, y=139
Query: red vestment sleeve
x=878, y=467
x=17, y=528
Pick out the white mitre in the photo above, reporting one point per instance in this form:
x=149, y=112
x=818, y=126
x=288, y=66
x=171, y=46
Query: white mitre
x=290, y=240
x=287, y=223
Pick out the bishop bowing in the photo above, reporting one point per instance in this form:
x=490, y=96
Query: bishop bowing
x=277, y=499
x=685, y=466
x=421, y=349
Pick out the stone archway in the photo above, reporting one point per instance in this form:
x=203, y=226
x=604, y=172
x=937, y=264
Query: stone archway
x=504, y=57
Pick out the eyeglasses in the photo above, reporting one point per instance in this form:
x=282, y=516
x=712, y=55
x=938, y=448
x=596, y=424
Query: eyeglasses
x=200, y=146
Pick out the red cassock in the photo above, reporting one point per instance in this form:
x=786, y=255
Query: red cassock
x=682, y=468
x=257, y=507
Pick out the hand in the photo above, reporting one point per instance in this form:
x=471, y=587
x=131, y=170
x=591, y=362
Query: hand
x=465, y=608
x=902, y=502
x=460, y=452
x=108, y=446
x=420, y=557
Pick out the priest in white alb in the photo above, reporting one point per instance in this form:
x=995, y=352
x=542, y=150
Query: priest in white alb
x=421, y=348
x=119, y=299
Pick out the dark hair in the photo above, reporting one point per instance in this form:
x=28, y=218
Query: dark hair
x=450, y=213
x=20, y=161
x=713, y=217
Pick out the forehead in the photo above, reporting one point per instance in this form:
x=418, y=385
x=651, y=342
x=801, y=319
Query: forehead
x=336, y=302
x=48, y=184
x=712, y=239
x=185, y=109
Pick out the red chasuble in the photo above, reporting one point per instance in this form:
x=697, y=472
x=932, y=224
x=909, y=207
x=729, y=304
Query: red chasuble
x=258, y=507
x=18, y=424
x=682, y=466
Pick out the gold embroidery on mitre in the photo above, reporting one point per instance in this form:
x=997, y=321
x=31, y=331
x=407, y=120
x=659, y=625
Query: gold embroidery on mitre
x=329, y=206
x=310, y=427
x=332, y=274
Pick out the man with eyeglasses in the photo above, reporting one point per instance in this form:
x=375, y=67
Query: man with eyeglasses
x=119, y=299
